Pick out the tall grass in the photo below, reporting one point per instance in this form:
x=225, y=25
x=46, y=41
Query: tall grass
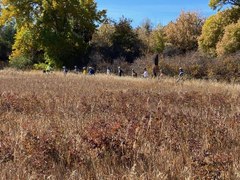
x=105, y=127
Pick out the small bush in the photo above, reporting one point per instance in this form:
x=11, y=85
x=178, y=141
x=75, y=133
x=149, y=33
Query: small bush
x=40, y=66
x=21, y=62
x=226, y=68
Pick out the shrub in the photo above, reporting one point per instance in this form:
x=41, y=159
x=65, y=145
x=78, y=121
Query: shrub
x=225, y=68
x=21, y=62
x=40, y=66
x=196, y=65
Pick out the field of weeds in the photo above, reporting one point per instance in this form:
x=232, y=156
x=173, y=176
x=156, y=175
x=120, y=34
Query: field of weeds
x=104, y=127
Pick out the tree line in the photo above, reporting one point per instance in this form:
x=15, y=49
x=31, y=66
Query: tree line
x=75, y=32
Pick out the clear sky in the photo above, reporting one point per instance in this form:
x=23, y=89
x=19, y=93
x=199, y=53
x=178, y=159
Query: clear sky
x=158, y=11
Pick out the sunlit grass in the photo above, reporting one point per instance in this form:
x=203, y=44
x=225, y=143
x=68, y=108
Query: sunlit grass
x=108, y=127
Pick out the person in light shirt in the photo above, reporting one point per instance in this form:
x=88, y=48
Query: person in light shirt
x=108, y=71
x=65, y=70
x=145, y=73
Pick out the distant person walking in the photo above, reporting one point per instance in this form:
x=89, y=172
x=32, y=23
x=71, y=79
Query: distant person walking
x=91, y=71
x=84, y=71
x=108, y=71
x=145, y=73
x=120, y=71
x=180, y=74
x=65, y=71
x=76, y=70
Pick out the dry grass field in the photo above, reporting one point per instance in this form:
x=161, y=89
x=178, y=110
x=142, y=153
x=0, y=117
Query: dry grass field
x=105, y=127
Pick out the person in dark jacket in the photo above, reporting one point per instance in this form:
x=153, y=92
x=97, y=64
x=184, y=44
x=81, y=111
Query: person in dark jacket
x=155, y=71
x=180, y=74
x=120, y=71
x=91, y=71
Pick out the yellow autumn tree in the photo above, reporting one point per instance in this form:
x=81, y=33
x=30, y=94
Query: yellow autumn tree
x=184, y=32
x=214, y=29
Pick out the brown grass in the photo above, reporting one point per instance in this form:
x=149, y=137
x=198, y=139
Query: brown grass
x=106, y=127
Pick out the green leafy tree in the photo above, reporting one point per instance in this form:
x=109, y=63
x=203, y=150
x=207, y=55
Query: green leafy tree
x=230, y=42
x=185, y=31
x=61, y=29
x=214, y=28
x=7, y=33
x=125, y=42
x=218, y=4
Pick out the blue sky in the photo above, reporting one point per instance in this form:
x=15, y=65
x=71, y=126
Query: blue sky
x=158, y=11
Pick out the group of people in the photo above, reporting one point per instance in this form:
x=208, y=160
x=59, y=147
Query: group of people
x=134, y=74
x=156, y=72
x=85, y=71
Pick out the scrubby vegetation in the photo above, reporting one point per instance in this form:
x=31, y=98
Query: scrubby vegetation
x=196, y=66
x=105, y=127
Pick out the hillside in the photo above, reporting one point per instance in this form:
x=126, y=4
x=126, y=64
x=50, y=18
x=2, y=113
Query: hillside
x=105, y=127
